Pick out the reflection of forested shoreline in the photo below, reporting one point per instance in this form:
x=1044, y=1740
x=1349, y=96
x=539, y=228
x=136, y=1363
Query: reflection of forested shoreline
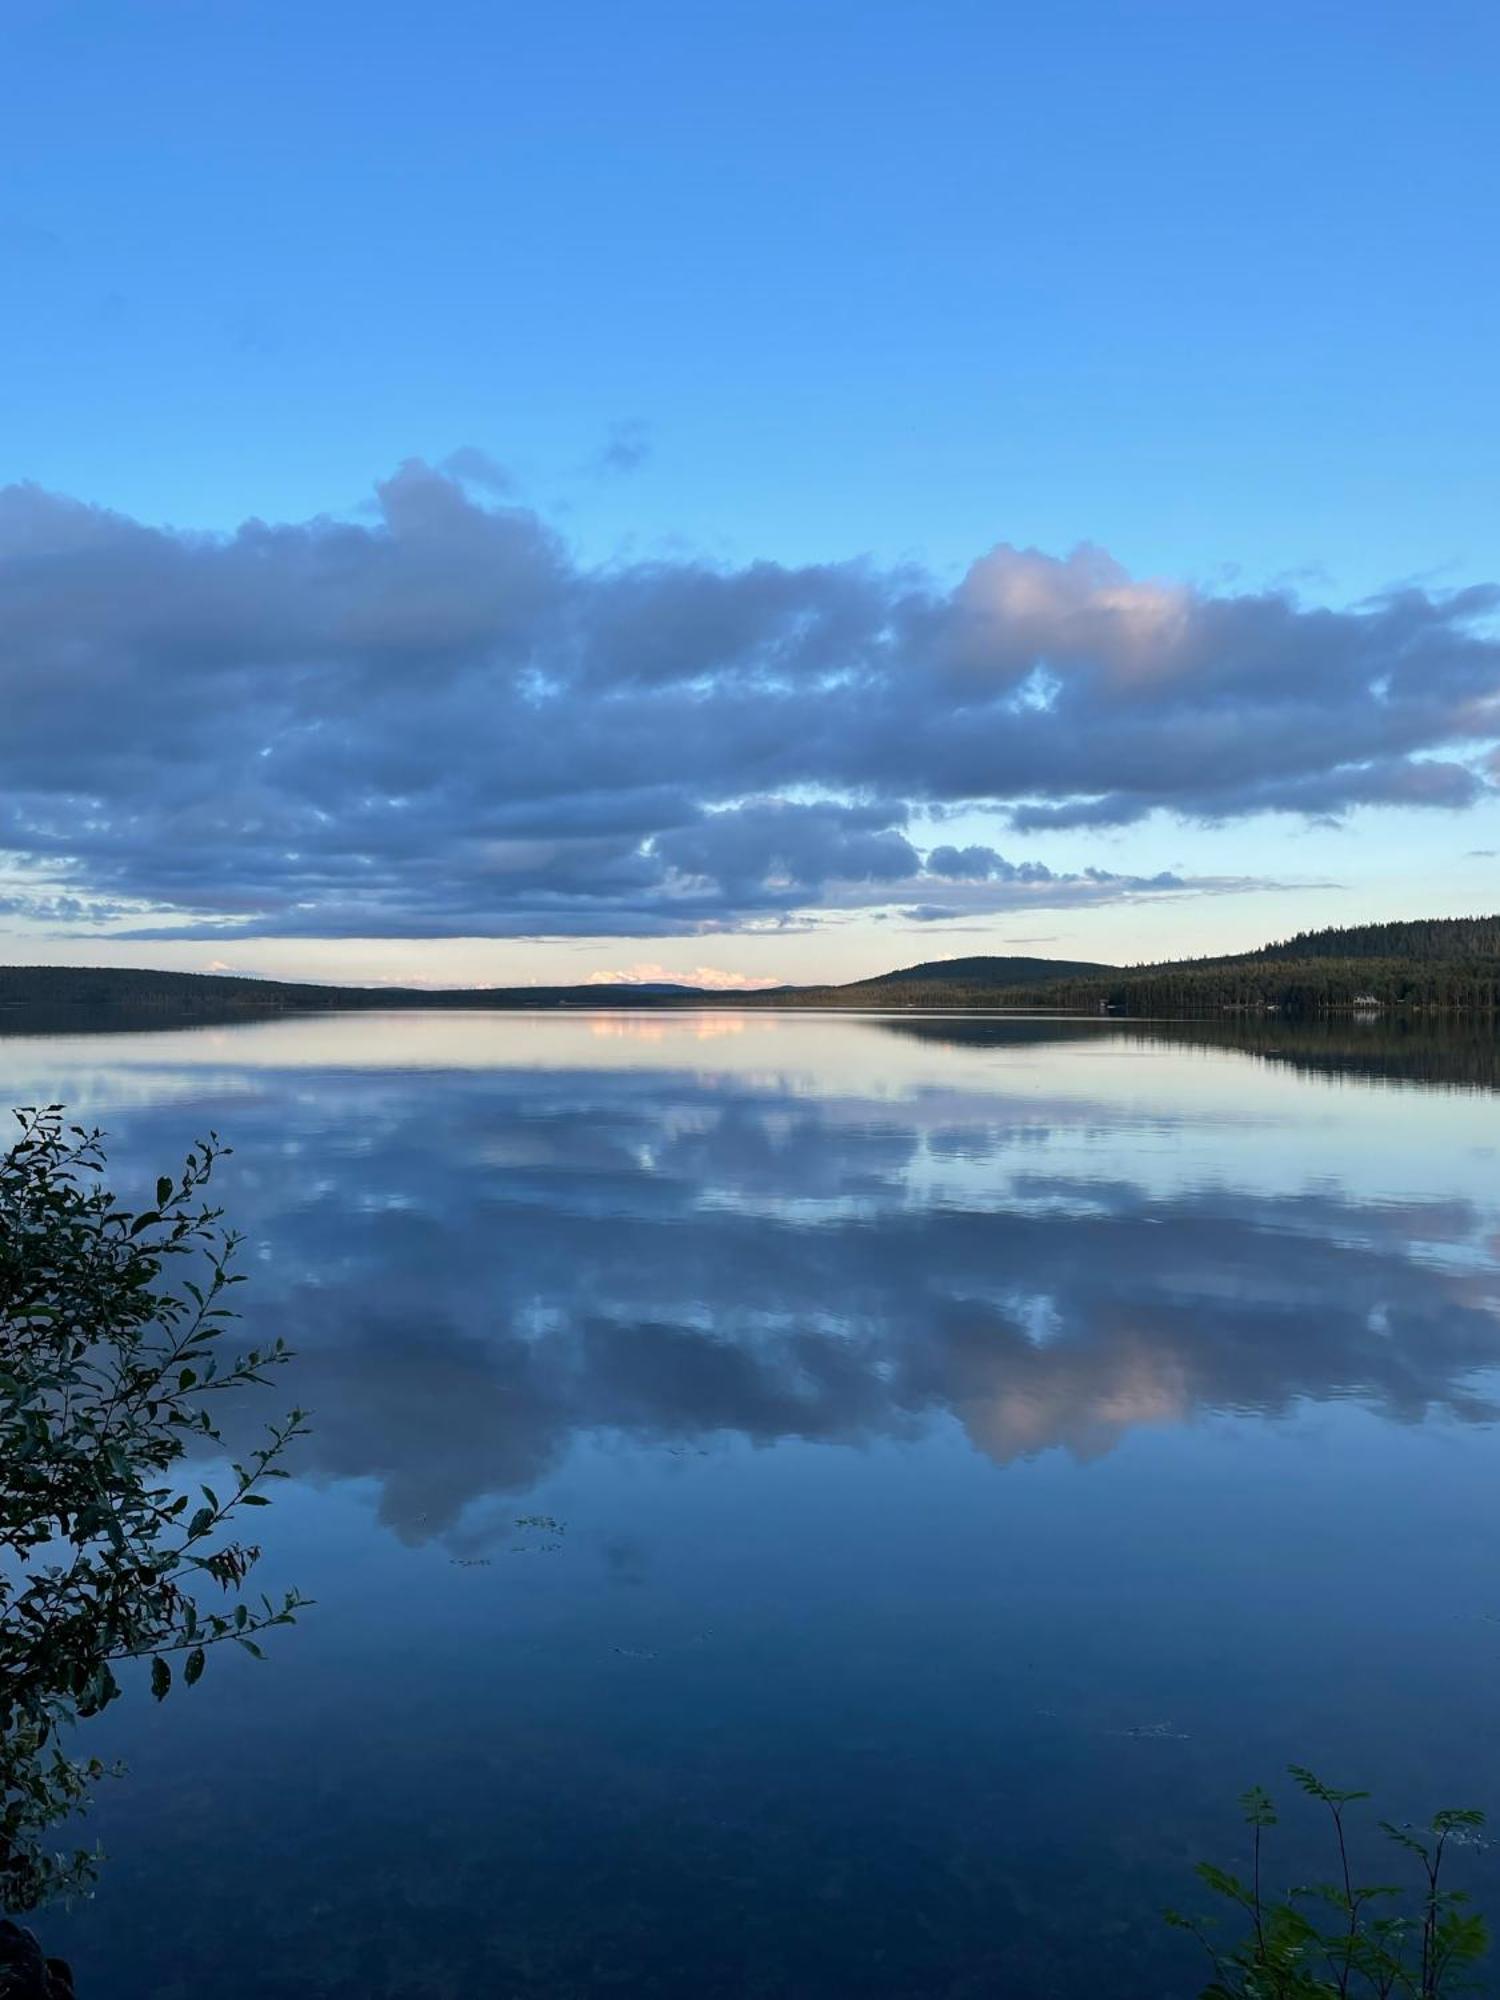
x=1453, y=1055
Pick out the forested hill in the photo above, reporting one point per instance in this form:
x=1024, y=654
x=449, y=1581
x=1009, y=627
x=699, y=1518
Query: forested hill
x=1418, y=943
x=1300, y=988
x=1438, y=966
x=76, y=995
x=1432, y=966
x=991, y=972
x=43, y=989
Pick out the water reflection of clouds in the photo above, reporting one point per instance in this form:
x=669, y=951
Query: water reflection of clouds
x=478, y=1267
x=663, y=1027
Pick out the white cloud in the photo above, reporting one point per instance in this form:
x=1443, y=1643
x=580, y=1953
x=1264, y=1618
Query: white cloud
x=712, y=978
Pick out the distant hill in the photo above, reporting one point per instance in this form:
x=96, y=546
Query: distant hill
x=41, y=996
x=1432, y=966
x=604, y=987
x=1299, y=988
x=1436, y=965
x=989, y=972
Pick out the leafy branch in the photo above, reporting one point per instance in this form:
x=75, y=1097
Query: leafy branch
x=1344, y=1937
x=109, y=1375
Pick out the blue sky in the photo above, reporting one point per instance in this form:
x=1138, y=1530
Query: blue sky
x=735, y=288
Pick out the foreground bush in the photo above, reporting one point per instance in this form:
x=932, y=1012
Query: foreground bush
x=1342, y=1937
x=111, y=1363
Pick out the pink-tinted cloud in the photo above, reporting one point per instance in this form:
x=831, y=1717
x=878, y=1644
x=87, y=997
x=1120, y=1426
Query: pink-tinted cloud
x=712, y=978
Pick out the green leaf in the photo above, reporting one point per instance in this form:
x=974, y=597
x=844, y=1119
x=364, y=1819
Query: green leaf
x=1457, y=1818
x=1223, y=1883
x=1257, y=1807
x=192, y=1670
x=161, y=1677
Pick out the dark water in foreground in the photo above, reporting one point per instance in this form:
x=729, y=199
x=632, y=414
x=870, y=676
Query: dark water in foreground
x=807, y=1506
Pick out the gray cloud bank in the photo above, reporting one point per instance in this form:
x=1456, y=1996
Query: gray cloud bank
x=440, y=722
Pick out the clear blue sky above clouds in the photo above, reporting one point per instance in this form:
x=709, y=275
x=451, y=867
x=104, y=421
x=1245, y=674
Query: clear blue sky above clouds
x=1211, y=287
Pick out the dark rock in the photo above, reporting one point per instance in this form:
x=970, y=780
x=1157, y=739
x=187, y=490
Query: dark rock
x=24, y=1973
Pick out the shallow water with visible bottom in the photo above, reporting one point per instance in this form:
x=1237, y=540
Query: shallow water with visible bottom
x=807, y=1505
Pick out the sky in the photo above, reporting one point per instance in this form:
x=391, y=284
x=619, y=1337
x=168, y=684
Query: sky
x=509, y=493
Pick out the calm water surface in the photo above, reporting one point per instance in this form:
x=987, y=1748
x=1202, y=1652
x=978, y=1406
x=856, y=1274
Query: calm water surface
x=806, y=1506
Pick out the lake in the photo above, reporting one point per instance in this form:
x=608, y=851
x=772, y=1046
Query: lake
x=808, y=1505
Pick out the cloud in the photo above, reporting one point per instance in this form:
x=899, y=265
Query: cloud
x=473, y=467
x=710, y=977
x=761, y=850
x=626, y=449
x=983, y=864
x=441, y=722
